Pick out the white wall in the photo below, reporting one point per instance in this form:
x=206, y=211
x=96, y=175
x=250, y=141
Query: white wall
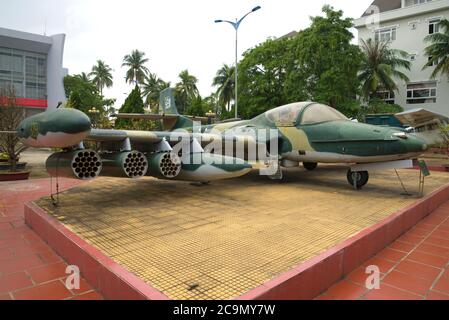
x=55, y=72
x=412, y=41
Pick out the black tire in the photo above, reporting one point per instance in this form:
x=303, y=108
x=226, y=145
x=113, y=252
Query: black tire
x=361, y=178
x=310, y=165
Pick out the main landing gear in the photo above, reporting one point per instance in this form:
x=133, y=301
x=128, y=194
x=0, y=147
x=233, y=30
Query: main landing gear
x=357, y=179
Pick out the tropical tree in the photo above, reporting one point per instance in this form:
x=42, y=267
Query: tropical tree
x=186, y=90
x=135, y=62
x=134, y=104
x=84, y=95
x=151, y=89
x=102, y=76
x=325, y=63
x=318, y=64
x=380, y=67
x=438, y=50
x=225, y=80
x=262, y=77
x=83, y=76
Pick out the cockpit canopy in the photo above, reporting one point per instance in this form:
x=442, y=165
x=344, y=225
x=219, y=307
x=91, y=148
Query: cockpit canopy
x=303, y=113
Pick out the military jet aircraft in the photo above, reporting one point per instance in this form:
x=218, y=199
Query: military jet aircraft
x=285, y=136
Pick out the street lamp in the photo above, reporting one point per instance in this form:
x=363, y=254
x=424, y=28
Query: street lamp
x=236, y=26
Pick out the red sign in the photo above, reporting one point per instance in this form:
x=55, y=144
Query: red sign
x=30, y=103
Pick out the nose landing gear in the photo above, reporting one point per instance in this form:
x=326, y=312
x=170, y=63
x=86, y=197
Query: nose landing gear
x=357, y=179
x=310, y=166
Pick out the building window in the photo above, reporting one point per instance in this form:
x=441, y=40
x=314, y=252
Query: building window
x=385, y=35
x=409, y=3
x=422, y=93
x=25, y=71
x=387, y=96
x=434, y=26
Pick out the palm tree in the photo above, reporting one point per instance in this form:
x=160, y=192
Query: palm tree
x=186, y=89
x=137, y=70
x=225, y=80
x=380, y=66
x=83, y=76
x=438, y=50
x=151, y=89
x=102, y=76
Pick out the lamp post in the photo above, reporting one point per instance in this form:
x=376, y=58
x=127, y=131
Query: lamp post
x=236, y=26
x=94, y=112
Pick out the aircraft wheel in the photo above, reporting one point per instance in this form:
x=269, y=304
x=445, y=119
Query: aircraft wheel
x=357, y=179
x=310, y=165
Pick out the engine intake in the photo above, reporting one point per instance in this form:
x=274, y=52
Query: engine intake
x=132, y=164
x=79, y=164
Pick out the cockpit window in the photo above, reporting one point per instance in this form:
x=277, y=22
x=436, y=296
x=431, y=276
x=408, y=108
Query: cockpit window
x=317, y=113
x=286, y=115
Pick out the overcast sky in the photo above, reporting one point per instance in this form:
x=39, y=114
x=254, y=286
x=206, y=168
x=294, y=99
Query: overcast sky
x=174, y=34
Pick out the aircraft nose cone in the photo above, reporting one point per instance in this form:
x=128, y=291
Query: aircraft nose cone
x=414, y=144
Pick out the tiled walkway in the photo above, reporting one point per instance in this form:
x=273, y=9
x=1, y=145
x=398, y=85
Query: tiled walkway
x=29, y=268
x=416, y=266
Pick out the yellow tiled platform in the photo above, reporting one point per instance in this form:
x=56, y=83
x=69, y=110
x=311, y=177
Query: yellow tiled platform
x=221, y=240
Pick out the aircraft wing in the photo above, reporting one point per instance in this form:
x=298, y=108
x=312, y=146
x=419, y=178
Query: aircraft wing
x=147, y=137
x=415, y=117
x=154, y=117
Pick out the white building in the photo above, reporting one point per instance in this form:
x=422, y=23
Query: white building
x=32, y=65
x=405, y=23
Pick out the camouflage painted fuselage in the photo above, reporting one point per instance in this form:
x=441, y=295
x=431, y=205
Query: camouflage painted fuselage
x=305, y=135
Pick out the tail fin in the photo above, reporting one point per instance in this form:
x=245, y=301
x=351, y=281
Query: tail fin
x=167, y=102
x=168, y=107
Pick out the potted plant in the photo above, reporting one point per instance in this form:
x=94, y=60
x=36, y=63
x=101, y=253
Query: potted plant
x=10, y=147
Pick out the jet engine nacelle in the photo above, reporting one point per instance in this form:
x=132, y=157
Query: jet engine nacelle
x=164, y=165
x=128, y=164
x=79, y=164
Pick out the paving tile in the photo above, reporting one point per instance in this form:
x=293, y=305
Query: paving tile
x=387, y=292
x=439, y=242
x=418, y=270
x=402, y=246
x=435, y=250
x=358, y=276
x=435, y=295
x=84, y=287
x=324, y=297
x=21, y=263
x=391, y=254
x=48, y=272
x=92, y=295
x=14, y=281
x=407, y=238
x=441, y=234
x=408, y=282
x=443, y=283
x=5, y=226
x=383, y=265
x=345, y=290
x=428, y=259
x=54, y=290
x=4, y=297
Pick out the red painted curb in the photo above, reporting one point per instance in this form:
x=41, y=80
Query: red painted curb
x=108, y=277
x=315, y=276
